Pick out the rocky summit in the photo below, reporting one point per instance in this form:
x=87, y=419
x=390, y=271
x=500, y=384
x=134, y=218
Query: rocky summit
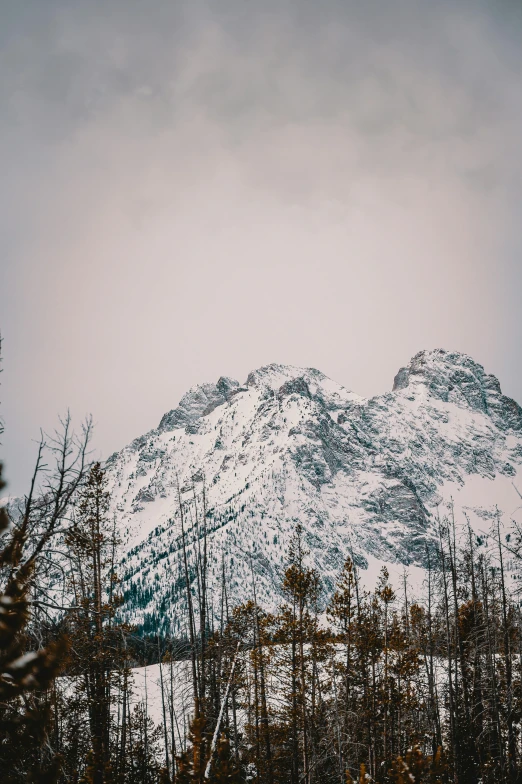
x=243, y=463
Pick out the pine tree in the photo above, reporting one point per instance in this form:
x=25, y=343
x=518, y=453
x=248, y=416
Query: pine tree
x=224, y=770
x=99, y=654
x=27, y=666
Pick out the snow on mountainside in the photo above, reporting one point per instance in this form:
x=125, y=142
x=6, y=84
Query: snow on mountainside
x=291, y=445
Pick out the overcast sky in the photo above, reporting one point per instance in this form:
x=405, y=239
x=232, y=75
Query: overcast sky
x=195, y=189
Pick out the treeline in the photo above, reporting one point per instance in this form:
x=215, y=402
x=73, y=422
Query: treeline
x=357, y=687
x=376, y=685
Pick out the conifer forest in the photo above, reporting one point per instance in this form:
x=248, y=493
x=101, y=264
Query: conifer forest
x=260, y=392
x=361, y=685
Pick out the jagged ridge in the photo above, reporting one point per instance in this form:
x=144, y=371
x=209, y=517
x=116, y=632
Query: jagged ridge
x=364, y=476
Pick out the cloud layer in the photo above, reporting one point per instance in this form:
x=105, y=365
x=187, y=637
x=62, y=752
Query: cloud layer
x=191, y=190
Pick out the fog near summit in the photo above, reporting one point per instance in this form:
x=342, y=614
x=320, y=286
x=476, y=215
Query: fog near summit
x=195, y=190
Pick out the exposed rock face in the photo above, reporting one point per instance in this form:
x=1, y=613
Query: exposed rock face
x=198, y=401
x=361, y=476
x=456, y=378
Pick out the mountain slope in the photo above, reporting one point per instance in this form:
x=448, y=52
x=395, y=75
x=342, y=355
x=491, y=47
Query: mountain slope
x=291, y=445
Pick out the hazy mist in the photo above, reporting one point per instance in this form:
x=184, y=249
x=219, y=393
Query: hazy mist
x=195, y=189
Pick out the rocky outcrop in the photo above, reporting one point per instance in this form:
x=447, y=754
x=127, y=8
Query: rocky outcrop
x=457, y=378
x=198, y=401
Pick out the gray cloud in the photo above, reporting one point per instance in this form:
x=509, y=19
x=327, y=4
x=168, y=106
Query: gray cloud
x=195, y=189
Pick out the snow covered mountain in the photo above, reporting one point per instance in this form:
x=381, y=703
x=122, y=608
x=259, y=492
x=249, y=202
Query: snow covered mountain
x=291, y=445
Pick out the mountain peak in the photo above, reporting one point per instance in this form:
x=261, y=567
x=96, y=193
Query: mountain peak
x=364, y=476
x=197, y=402
x=456, y=378
x=440, y=369
x=274, y=376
